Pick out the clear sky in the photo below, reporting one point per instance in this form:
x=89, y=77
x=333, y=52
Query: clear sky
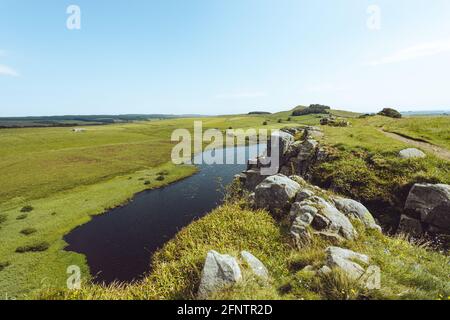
x=223, y=56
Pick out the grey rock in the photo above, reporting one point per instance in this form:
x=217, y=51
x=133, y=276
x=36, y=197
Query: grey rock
x=431, y=204
x=256, y=265
x=276, y=193
x=411, y=153
x=371, y=279
x=300, y=234
x=282, y=139
x=304, y=212
x=345, y=260
x=325, y=270
x=307, y=150
x=329, y=236
x=253, y=177
x=218, y=272
x=304, y=194
x=356, y=210
x=320, y=222
x=339, y=223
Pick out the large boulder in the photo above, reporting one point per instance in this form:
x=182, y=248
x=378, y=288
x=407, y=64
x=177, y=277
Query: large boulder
x=430, y=203
x=276, y=193
x=411, y=153
x=356, y=210
x=219, y=271
x=258, y=268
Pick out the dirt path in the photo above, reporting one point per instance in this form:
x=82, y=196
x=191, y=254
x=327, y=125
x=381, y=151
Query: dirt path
x=436, y=150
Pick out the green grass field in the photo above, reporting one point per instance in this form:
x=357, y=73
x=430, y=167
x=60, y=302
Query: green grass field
x=67, y=177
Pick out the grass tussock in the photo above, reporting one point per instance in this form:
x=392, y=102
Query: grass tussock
x=28, y=231
x=27, y=209
x=38, y=247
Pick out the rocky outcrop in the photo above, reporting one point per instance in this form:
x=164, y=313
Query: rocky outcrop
x=276, y=193
x=282, y=139
x=311, y=210
x=219, y=271
x=411, y=153
x=427, y=210
x=300, y=158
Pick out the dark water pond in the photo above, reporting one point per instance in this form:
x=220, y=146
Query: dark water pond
x=119, y=244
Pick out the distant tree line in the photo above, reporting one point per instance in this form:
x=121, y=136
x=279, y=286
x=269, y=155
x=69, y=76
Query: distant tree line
x=258, y=112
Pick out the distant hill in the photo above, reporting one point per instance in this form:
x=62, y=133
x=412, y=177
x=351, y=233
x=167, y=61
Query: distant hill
x=426, y=113
x=337, y=113
x=82, y=120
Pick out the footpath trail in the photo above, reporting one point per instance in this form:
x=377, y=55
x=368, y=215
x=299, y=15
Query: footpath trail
x=436, y=150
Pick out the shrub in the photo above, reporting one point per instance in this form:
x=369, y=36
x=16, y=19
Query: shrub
x=22, y=217
x=3, y=218
x=160, y=178
x=4, y=265
x=265, y=123
x=289, y=119
x=27, y=209
x=146, y=183
x=38, y=247
x=163, y=173
x=391, y=113
x=280, y=120
x=28, y=231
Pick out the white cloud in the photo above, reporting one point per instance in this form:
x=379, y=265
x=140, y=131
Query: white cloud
x=415, y=52
x=241, y=95
x=8, y=71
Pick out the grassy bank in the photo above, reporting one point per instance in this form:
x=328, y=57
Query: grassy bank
x=56, y=215
x=408, y=271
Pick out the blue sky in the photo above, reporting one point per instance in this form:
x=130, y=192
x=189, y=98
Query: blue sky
x=222, y=57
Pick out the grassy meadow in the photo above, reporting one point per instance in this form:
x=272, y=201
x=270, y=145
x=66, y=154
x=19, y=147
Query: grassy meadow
x=54, y=180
